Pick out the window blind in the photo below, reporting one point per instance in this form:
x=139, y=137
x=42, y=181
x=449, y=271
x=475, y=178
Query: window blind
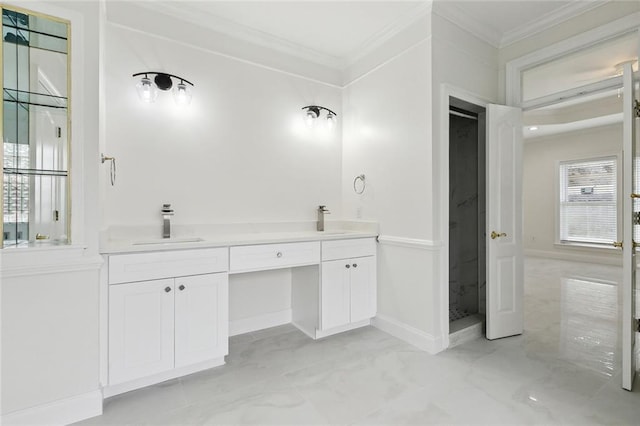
x=588, y=195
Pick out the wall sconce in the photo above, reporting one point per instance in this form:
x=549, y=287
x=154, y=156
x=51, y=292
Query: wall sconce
x=312, y=112
x=148, y=89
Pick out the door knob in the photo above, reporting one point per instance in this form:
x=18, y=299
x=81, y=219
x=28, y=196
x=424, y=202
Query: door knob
x=495, y=235
x=182, y=287
x=167, y=289
x=355, y=265
x=347, y=266
x=617, y=244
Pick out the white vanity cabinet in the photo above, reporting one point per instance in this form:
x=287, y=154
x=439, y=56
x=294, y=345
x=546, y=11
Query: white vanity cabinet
x=141, y=337
x=348, y=282
x=166, y=327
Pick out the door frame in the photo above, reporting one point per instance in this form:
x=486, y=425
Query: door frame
x=515, y=67
x=442, y=176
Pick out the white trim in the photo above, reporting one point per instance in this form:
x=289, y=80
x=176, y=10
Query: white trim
x=247, y=325
x=410, y=242
x=409, y=334
x=279, y=68
x=60, y=412
x=458, y=16
x=577, y=92
x=573, y=44
x=349, y=80
x=374, y=42
x=119, y=388
x=340, y=329
x=68, y=266
x=442, y=176
x=574, y=256
x=549, y=20
x=244, y=33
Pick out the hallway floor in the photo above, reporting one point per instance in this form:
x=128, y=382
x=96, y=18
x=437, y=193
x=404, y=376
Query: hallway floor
x=565, y=369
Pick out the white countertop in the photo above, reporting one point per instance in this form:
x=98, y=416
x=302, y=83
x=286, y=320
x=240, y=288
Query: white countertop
x=230, y=237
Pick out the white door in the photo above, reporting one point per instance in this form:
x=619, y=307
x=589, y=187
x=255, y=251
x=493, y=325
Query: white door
x=628, y=247
x=505, y=276
x=201, y=318
x=335, y=293
x=140, y=329
x=362, y=288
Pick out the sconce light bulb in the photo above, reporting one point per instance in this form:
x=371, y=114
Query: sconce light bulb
x=310, y=116
x=147, y=91
x=182, y=94
x=331, y=121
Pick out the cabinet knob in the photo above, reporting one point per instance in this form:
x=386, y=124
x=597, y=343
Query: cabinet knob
x=347, y=266
x=167, y=289
x=279, y=254
x=182, y=287
x=355, y=265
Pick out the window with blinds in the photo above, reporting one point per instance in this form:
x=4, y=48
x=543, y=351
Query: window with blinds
x=588, y=201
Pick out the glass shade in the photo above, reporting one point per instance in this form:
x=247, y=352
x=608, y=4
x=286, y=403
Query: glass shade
x=147, y=91
x=332, y=120
x=182, y=94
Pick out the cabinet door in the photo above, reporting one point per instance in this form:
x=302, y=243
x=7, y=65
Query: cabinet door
x=202, y=318
x=363, y=288
x=140, y=329
x=335, y=293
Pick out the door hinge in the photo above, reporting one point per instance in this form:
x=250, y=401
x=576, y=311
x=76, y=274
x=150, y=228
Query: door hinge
x=636, y=108
x=636, y=324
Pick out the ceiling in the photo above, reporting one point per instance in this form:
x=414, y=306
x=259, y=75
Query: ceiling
x=337, y=31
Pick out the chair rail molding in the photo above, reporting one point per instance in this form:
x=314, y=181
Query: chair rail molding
x=415, y=243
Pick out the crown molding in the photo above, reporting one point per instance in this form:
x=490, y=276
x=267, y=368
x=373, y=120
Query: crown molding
x=269, y=41
x=458, y=16
x=244, y=33
x=385, y=34
x=549, y=20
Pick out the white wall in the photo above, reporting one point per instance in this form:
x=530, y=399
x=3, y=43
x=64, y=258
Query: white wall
x=49, y=304
x=387, y=137
x=238, y=153
x=540, y=180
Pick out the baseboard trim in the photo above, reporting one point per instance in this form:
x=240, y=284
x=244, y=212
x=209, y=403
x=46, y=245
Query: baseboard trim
x=341, y=329
x=409, y=334
x=119, y=388
x=60, y=412
x=247, y=325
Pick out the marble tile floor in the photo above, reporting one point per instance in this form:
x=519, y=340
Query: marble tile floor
x=565, y=369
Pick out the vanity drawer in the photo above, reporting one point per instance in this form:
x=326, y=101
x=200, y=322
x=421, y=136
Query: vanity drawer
x=273, y=256
x=344, y=249
x=166, y=264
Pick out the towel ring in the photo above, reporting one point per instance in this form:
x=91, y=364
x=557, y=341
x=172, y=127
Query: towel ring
x=360, y=178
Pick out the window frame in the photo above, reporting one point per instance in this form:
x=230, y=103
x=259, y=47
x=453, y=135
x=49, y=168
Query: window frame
x=617, y=156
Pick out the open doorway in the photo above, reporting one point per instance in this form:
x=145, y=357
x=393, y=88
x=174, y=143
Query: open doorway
x=467, y=221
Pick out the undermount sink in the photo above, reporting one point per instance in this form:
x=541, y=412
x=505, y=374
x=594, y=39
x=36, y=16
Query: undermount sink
x=168, y=241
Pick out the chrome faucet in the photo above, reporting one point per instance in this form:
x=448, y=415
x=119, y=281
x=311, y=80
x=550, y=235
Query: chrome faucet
x=322, y=210
x=167, y=212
